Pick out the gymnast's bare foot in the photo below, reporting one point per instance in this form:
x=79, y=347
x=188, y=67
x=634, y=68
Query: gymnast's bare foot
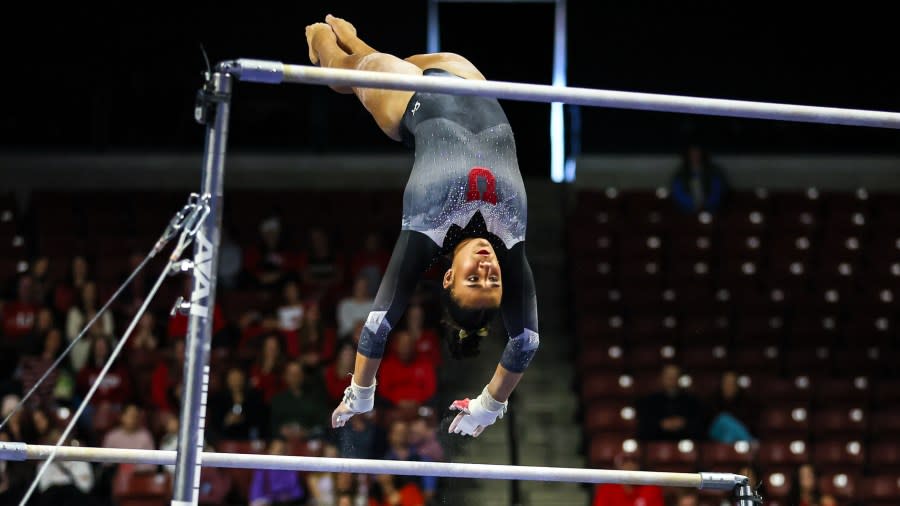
x=323, y=49
x=346, y=36
x=314, y=39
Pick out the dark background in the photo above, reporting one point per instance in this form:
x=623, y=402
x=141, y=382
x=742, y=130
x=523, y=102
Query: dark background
x=123, y=77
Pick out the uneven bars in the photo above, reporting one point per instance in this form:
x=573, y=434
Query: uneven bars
x=273, y=72
x=710, y=481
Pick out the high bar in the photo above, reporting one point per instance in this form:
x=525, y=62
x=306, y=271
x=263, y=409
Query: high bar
x=272, y=72
x=711, y=481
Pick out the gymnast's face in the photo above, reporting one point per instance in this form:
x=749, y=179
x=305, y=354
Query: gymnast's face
x=475, y=278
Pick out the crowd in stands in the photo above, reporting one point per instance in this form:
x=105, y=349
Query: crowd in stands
x=286, y=321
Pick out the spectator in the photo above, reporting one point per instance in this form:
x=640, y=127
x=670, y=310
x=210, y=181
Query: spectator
x=406, y=378
x=354, y=308
x=670, y=414
x=315, y=342
x=276, y=486
x=65, y=482
x=165, y=383
x=389, y=491
x=733, y=413
x=805, y=488
x=337, y=374
x=132, y=432
x=353, y=489
x=231, y=258
x=43, y=323
x=357, y=439
x=321, y=485
x=116, y=388
x=19, y=315
x=297, y=411
x=145, y=334
x=614, y=494
x=134, y=293
x=78, y=316
x=290, y=312
x=40, y=274
x=370, y=262
x=427, y=343
x=20, y=426
x=64, y=294
x=268, y=262
x=423, y=440
x=399, y=448
x=321, y=267
x=238, y=411
x=169, y=439
x=698, y=184
x=265, y=374
x=32, y=367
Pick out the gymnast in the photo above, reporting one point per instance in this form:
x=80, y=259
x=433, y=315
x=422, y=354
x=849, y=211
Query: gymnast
x=464, y=200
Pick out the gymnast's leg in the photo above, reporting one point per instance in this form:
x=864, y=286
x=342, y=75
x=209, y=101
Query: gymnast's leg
x=336, y=45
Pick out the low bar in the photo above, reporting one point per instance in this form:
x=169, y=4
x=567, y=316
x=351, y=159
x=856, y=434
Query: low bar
x=276, y=72
x=711, y=481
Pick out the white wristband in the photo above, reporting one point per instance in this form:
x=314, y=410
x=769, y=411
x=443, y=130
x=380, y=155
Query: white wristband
x=360, y=399
x=490, y=404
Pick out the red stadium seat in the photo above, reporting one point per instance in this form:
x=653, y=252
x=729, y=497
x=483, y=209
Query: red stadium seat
x=882, y=490
x=795, y=391
x=705, y=358
x=842, y=485
x=603, y=450
x=840, y=422
x=842, y=391
x=710, y=330
x=846, y=456
x=885, y=426
x=785, y=422
x=887, y=392
x=610, y=419
x=752, y=358
x=680, y=457
x=782, y=454
x=647, y=359
x=600, y=358
x=759, y=330
x=607, y=387
x=808, y=361
x=721, y=456
x=132, y=488
x=778, y=485
x=884, y=456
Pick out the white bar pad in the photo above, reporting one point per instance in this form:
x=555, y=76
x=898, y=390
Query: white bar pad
x=569, y=95
x=14, y=451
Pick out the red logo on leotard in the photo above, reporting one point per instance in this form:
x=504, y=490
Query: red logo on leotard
x=490, y=192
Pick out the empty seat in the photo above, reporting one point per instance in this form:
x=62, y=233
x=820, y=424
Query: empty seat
x=840, y=422
x=678, y=457
x=600, y=358
x=785, y=423
x=846, y=456
x=884, y=456
x=885, y=426
x=759, y=330
x=752, y=358
x=724, y=456
x=795, y=391
x=647, y=359
x=603, y=450
x=609, y=419
x=808, y=361
x=705, y=358
x=607, y=387
x=842, y=391
x=842, y=485
x=782, y=454
x=881, y=490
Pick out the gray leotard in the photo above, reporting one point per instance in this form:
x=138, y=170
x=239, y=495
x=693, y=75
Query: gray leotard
x=465, y=181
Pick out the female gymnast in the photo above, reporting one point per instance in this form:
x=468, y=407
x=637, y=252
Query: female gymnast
x=465, y=199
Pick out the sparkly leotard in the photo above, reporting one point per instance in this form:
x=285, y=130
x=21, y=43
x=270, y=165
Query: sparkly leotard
x=465, y=182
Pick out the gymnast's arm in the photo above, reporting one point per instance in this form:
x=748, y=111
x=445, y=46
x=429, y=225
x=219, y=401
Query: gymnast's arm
x=412, y=255
x=520, y=317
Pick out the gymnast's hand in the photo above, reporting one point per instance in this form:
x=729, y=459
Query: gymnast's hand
x=476, y=414
x=356, y=400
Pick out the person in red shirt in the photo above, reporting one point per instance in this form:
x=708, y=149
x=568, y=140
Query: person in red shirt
x=613, y=494
x=405, y=377
x=427, y=343
x=116, y=385
x=19, y=315
x=337, y=374
x=265, y=374
x=165, y=385
x=370, y=262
